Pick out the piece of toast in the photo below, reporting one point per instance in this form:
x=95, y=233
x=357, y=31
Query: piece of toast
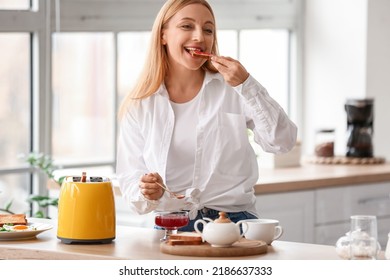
x=185, y=238
x=15, y=219
x=184, y=242
x=201, y=54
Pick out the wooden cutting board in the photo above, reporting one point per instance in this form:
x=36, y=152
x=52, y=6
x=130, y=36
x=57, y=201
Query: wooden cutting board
x=243, y=247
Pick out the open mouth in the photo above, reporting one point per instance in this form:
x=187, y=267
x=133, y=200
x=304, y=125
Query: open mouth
x=198, y=52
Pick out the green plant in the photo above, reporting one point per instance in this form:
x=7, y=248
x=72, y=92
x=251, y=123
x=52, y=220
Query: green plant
x=43, y=163
x=43, y=202
x=7, y=208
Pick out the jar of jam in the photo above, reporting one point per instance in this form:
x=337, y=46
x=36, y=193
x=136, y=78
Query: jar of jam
x=324, y=143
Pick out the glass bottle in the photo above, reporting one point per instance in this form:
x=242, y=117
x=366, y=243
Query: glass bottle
x=324, y=143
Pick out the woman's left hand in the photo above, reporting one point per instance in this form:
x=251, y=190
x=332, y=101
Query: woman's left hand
x=232, y=70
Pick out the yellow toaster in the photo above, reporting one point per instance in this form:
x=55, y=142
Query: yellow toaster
x=86, y=210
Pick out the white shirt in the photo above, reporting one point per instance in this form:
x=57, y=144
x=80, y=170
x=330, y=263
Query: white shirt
x=225, y=167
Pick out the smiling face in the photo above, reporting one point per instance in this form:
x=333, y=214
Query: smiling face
x=191, y=28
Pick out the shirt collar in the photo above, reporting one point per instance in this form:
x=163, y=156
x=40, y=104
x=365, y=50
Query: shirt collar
x=212, y=76
x=209, y=77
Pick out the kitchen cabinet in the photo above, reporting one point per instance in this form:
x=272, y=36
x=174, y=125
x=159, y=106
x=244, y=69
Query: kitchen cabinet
x=294, y=210
x=330, y=233
x=322, y=215
x=334, y=206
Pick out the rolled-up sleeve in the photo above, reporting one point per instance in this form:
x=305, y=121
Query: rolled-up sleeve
x=273, y=130
x=131, y=166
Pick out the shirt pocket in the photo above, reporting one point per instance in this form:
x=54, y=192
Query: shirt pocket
x=233, y=147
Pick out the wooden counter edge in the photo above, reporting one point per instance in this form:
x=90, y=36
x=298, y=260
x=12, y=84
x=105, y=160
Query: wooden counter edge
x=297, y=184
x=316, y=184
x=33, y=254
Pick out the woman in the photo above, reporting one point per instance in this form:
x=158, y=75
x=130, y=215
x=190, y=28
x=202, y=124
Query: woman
x=185, y=123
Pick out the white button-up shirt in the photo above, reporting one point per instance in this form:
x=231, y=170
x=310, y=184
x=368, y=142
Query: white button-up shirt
x=225, y=167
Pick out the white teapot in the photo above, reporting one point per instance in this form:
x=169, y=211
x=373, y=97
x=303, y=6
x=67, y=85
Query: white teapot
x=222, y=232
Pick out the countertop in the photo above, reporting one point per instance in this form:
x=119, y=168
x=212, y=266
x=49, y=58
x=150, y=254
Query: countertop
x=314, y=176
x=138, y=243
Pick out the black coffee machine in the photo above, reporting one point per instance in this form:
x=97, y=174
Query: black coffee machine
x=360, y=120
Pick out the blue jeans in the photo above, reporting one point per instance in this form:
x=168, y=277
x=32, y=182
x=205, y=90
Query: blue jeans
x=214, y=214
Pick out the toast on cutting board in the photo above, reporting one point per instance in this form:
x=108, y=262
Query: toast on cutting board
x=185, y=238
x=15, y=219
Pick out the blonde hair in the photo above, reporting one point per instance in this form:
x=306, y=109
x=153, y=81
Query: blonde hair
x=156, y=64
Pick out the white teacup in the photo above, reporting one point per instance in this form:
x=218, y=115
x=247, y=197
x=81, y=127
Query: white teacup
x=266, y=230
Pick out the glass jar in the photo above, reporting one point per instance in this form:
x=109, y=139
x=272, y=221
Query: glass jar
x=324, y=143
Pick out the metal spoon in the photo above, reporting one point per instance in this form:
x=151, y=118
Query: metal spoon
x=178, y=196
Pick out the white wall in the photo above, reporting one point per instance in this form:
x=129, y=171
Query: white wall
x=346, y=55
x=334, y=65
x=378, y=71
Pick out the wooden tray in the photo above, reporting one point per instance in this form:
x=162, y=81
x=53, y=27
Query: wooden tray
x=345, y=160
x=243, y=247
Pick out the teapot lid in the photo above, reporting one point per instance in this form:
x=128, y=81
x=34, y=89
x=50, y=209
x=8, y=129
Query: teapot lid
x=223, y=219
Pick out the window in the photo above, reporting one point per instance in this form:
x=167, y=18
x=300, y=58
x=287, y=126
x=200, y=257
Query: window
x=15, y=4
x=265, y=54
x=228, y=43
x=63, y=75
x=132, y=48
x=83, y=98
x=15, y=111
x=14, y=192
x=15, y=118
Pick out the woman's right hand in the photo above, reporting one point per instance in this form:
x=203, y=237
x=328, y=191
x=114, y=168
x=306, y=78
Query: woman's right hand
x=149, y=189
x=232, y=70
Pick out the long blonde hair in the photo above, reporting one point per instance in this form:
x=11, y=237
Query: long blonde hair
x=156, y=64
